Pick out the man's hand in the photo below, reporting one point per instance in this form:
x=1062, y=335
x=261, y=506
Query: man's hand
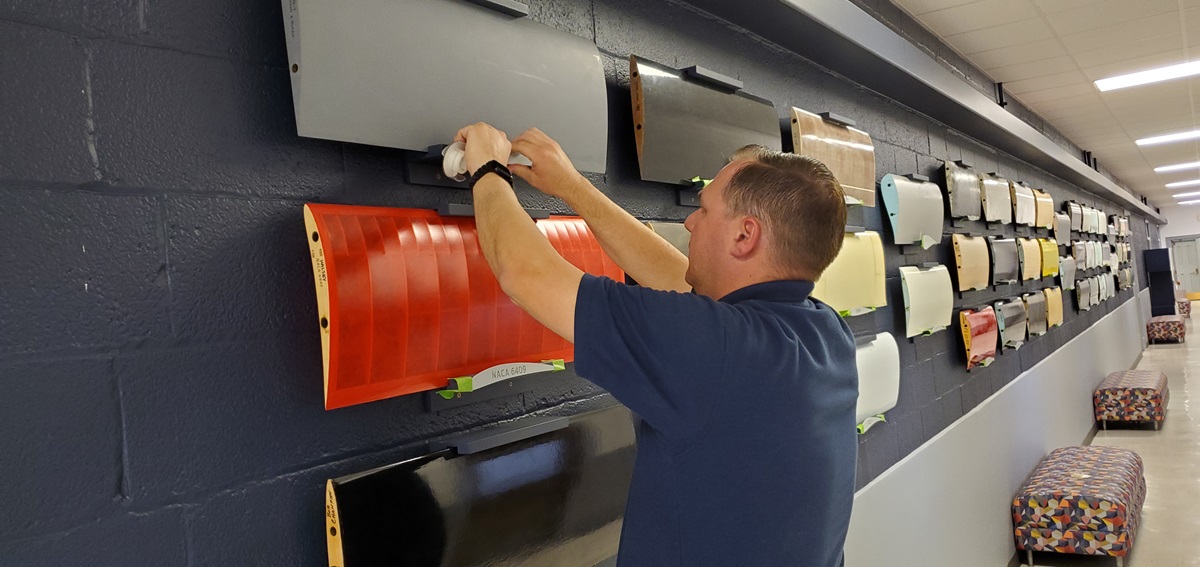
x=483, y=144
x=552, y=172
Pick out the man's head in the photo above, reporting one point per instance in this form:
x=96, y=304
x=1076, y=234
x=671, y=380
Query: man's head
x=767, y=215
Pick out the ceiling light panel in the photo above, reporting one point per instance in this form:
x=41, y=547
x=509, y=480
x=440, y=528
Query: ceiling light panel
x=1188, y=183
x=1149, y=76
x=1178, y=167
x=1168, y=138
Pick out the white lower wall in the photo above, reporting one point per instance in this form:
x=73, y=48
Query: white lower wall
x=947, y=504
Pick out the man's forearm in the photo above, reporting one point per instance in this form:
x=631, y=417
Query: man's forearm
x=506, y=234
x=529, y=269
x=644, y=255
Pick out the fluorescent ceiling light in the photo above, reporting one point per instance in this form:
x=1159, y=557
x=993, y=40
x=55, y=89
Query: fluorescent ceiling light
x=1178, y=167
x=1177, y=137
x=1188, y=202
x=1187, y=183
x=1189, y=194
x=1149, y=76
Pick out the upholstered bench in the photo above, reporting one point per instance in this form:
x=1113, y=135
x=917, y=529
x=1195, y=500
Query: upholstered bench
x=1166, y=327
x=1083, y=500
x=1132, y=395
x=1184, y=307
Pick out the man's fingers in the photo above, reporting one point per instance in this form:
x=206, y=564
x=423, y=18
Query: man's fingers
x=525, y=147
x=522, y=171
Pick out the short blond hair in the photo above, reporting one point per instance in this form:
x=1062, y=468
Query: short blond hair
x=800, y=203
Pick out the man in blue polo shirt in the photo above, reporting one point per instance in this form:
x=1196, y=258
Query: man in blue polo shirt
x=746, y=386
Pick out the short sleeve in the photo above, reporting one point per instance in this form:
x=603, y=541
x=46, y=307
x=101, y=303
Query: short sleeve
x=660, y=353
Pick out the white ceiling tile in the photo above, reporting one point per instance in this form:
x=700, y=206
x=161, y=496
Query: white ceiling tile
x=918, y=7
x=1020, y=53
x=1057, y=80
x=1042, y=68
x=1110, y=55
x=1107, y=14
x=1074, y=91
x=1094, y=102
x=1132, y=65
x=1004, y=35
x=1121, y=32
x=1053, y=6
x=1191, y=23
x=977, y=15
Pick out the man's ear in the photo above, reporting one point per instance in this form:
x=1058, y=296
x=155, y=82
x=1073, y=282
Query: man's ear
x=749, y=238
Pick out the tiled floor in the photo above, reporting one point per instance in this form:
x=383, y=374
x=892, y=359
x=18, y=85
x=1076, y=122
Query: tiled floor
x=1170, y=532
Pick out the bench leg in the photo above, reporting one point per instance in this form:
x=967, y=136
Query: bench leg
x=1157, y=425
x=1120, y=562
x=1104, y=424
x=1029, y=557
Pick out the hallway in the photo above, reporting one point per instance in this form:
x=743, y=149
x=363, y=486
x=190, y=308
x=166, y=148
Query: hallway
x=1169, y=535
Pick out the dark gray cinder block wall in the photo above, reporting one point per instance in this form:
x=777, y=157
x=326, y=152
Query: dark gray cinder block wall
x=158, y=354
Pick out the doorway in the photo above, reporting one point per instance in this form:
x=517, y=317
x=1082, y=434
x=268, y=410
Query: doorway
x=1186, y=256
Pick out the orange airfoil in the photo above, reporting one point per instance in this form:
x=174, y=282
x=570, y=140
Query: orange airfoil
x=407, y=301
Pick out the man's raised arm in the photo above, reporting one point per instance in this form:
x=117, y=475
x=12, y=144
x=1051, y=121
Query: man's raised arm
x=644, y=255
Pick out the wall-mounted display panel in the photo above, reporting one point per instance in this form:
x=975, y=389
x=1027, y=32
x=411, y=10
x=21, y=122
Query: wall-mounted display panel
x=1044, y=209
x=1031, y=259
x=981, y=334
x=971, y=259
x=1095, y=289
x=847, y=151
x=1035, y=311
x=406, y=300
x=1010, y=315
x=1075, y=211
x=1066, y=272
x=963, y=190
x=1083, y=294
x=1103, y=281
x=1089, y=221
x=928, y=299
x=997, y=199
x=1062, y=229
x=674, y=233
x=1006, y=260
x=1024, y=205
x=1079, y=251
x=914, y=210
x=878, y=379
x=554, y=494
x=855, y=282
x=1049, y=257
x=382, y=72
x=1054, y=306
x=685, y=127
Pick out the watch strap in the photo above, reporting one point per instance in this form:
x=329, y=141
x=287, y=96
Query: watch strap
x=491, y=167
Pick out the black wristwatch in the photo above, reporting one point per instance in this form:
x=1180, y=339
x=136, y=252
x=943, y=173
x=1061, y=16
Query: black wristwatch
x=491, y=167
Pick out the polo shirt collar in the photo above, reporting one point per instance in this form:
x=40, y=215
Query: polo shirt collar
x=779, y=290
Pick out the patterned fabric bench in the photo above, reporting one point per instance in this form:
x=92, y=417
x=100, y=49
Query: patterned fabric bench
x=1184, y=307
x=1166, y=328
x=1084, y=500
x=1132, y=395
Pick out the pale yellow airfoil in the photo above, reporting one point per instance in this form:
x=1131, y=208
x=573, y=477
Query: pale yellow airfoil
x=855, y=282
